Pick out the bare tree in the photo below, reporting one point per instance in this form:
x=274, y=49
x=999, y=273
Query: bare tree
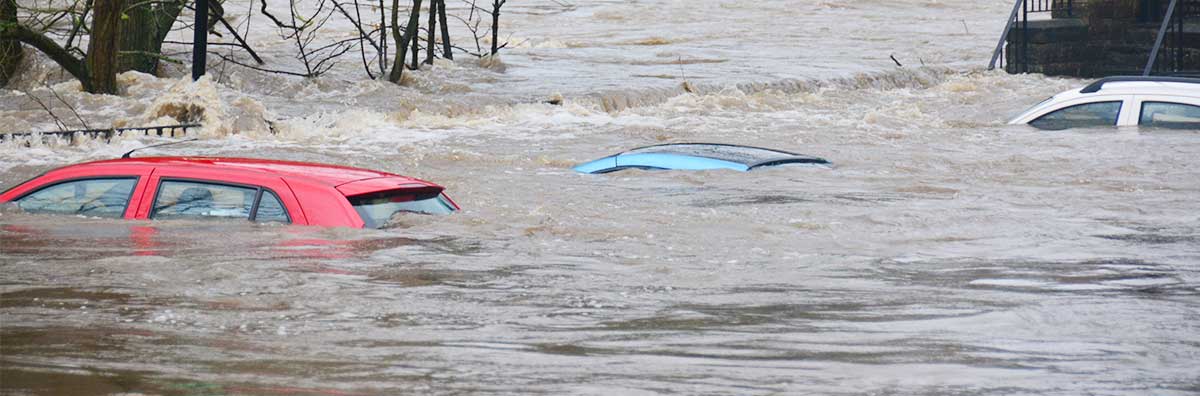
x=128, y=35
x=383, y=36
x=472, y=22
x=431, y=28
x=446, y=48
x=403, y=41
x=121, y=36
x=96, y=70
x=303, y=31
x=496, y=4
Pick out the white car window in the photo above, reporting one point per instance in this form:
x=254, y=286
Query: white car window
x=1170, y=115
x=1081, y=115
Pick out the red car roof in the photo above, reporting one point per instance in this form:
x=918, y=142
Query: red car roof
x=333, y=175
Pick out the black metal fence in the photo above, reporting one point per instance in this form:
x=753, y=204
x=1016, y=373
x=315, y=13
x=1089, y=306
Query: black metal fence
x=106, y=134
x=1172, y=53
x=1154, y=11
x=1175, y=50
x=1019, y=19
x=1065, y=6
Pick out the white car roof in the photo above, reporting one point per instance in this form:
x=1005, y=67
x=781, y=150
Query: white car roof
x=1136, y=88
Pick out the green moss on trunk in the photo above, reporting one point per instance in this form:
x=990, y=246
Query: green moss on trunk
x=10, y=49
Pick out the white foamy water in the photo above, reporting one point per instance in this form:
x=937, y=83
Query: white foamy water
x=944, y=253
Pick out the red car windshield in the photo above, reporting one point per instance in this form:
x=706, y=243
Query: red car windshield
x=377, y=209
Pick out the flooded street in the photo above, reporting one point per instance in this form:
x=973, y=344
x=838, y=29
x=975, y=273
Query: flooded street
x=943, y=253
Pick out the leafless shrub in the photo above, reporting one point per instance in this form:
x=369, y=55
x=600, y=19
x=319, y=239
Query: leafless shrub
x=303, y=30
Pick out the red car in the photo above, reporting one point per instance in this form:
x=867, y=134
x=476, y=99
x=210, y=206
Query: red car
x=252, y=189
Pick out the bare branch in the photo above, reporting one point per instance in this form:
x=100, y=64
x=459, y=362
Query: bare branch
x=60, y=55
x=157, y=55
x=276, y=20
x=472, y=26
x=57, y=122
x=357, y=23
x=78, y=23
x=240, y=40
x=362, y=35
x=64, y=102
x=252, y=67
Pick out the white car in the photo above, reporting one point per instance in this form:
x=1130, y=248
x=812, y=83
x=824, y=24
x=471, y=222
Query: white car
x=1164, y=102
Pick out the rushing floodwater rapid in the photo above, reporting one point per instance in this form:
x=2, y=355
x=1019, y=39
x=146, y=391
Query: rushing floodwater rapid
x=944, y=253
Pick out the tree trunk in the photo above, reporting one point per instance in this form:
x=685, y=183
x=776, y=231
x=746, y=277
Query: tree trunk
x=10, y=49
x=398, y=65
x=383, y=47
x=416, y=42
x=402, y=42
x=137, y=40
x=432, y=28
x=103, y=46
x=142, y=34
x=445, y=30
x=496, y=24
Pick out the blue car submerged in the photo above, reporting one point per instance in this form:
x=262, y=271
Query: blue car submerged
x=698, y=156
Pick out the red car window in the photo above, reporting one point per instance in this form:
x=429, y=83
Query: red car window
x=99, y=197
x=270, y=209
x=188, y=199
x=176, y=199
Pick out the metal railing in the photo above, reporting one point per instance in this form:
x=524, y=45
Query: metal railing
x=1019, y=18
x=1169, y=52
x=107, y=134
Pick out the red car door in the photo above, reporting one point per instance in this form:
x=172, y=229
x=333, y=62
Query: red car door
x=270, y=185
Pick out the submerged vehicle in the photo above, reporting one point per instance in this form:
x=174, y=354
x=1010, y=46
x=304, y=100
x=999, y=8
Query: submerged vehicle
x=1151, y=101
x=257, y=190
x=698, y=156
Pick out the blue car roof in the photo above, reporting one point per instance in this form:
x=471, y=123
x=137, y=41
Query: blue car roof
x=696, y=156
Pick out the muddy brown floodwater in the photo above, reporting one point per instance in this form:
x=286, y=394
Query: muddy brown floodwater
x=944, y=253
